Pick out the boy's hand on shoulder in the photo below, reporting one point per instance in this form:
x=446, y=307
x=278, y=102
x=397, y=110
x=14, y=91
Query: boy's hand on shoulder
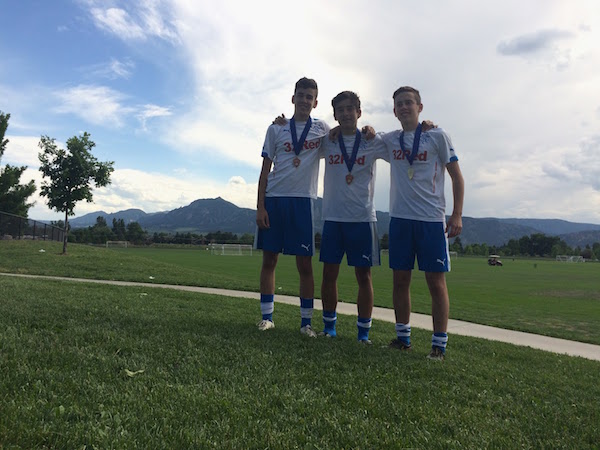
x=427, y=125
x=280, y=120
x=334, y=133
x=369, y=132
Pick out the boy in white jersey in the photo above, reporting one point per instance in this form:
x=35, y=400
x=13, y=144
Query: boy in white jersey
x=418, y=161
x=285, y=201
x=349, y=213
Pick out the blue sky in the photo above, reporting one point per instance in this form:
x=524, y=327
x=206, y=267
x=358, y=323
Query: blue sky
x=179, y=93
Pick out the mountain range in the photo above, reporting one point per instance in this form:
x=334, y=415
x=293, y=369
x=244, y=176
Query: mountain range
x=209, y=215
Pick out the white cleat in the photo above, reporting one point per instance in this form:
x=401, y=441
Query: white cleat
x=308, y=331
x=265, y=325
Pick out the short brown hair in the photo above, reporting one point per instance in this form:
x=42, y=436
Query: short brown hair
x=412, y=90
x=346, y=95
x=306, y=83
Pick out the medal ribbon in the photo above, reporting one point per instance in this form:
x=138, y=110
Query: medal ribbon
x=415, y=147
x=349, y=161
x=298, y=144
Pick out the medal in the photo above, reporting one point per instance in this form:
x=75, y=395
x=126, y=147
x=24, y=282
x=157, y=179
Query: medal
x=415, y=150
x=349, y=161
x=298, y=144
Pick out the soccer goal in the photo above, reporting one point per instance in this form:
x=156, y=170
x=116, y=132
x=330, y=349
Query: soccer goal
x=116, y=244
x=231, y=249
x=570, y=259
x=453, y=255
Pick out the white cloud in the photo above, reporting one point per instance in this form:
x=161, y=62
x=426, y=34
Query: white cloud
x=99, y=105
x=146, y=20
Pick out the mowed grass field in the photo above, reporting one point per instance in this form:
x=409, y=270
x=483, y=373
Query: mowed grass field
x=96, y=366
x=538, y=296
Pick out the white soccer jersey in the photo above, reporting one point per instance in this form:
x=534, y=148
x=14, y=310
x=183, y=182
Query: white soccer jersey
x=286, y=179
x=351, y=202
x=422, y=197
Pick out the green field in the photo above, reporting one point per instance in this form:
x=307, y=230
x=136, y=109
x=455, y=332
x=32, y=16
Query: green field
x=98, y=366
x=538, y=296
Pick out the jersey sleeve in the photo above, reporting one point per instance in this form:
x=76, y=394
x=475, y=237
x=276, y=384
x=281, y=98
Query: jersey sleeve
x=444, y=145
x=270, y=144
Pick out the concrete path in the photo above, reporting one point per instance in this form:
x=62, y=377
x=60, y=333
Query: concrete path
x=550, y=344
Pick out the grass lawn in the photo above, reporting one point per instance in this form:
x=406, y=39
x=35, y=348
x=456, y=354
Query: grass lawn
x=537, y=296
x=96, y=366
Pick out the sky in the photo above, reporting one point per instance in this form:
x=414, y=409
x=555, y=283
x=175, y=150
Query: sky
x=179, y=93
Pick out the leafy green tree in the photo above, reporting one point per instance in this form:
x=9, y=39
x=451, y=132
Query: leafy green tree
x=71, y=173
x=101, y=232
x=456, y=246
x=119, y=230
x=13, y=196
x=135, y=233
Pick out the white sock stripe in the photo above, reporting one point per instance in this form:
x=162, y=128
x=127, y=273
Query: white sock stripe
x=364, y=324
x=439, y=341
x=267, y=307
x=329, y=319
x=403, y=327
x=306, y=313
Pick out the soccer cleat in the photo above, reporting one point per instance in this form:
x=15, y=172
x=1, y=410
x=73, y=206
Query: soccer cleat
x=365, y=341
x=265, y=325
x=308, y=331
x=329, y=334
x=398, y=344
x=436, y=354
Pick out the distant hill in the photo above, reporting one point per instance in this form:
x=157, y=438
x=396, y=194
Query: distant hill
x=210, y=215
x=89, y=220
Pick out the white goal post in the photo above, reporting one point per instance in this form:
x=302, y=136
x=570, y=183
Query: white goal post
x=231, y=249
x=116, y=244
x=453, y=255
x=570, y=259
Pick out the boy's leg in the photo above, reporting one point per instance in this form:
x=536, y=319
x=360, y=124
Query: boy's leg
x=329, y=296
x=402, y=307
x=364, y=301
x=267, y=289
x=440, y=308
x=307, y=294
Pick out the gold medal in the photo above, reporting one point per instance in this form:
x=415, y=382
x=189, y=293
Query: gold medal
x=411, y=173
x=296, y=162
x=349, y=178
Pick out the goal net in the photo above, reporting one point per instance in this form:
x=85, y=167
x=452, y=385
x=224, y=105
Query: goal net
x=570, y=259
x=453, y=255
x=231, y=249
x=116, y=244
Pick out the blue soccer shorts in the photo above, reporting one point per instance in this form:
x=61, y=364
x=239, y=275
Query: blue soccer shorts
x=292, y=230
x=359, y=240
x=426, y=241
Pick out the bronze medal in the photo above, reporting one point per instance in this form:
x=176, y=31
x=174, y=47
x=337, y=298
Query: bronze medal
x=296, y=162
x=349, y=178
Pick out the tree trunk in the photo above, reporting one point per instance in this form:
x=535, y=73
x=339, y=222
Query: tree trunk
x=66, y=235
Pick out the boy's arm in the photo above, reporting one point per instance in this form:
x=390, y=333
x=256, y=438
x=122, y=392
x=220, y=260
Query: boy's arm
x=262, y=217
x=454, y=225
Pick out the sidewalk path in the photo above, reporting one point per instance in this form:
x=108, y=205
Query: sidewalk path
x=550, y=344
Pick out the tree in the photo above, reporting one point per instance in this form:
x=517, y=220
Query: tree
x=13, y=196
x=135, y=233
x=71, y=173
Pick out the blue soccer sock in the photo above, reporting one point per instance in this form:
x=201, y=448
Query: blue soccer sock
x=364, y=326
x=267, y=306
x=439, y=340
x=329, y=321
x=306, y=311
x=403, y=333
